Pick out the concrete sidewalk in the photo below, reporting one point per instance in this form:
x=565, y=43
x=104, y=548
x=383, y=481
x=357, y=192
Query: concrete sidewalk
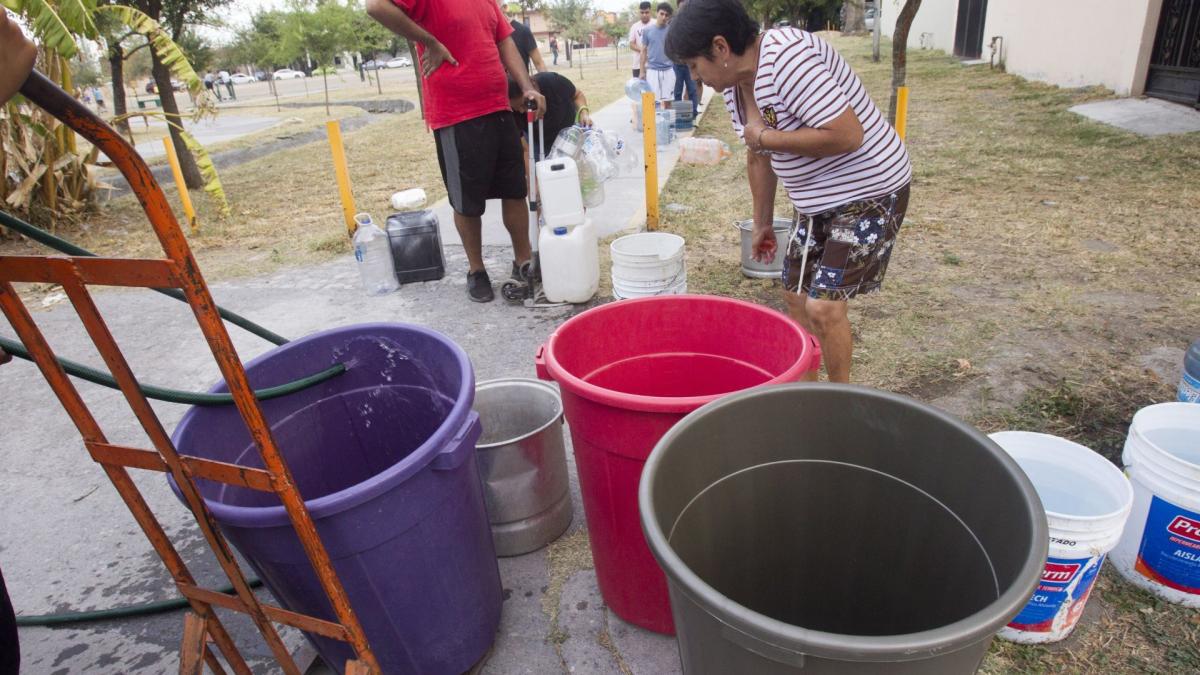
x=624, y=206
x=67, y=542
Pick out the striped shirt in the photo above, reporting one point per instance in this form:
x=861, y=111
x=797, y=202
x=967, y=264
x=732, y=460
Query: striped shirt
x=802, y=82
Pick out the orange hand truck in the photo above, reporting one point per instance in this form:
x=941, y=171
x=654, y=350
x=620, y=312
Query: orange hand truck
x=177, y=270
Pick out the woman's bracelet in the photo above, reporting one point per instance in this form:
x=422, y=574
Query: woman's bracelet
x=760, y=140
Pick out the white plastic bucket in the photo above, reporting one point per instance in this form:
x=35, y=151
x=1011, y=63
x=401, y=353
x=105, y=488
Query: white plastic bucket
x=1160, y=551
x=1087, y=501
x=648, y=263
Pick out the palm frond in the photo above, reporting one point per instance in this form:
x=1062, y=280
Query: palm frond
x=51, y=29
x=208, y=170
x=78, y=16
x=168, y=52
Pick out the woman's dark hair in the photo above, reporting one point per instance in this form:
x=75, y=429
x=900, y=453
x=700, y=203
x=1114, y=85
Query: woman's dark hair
x=693, y=29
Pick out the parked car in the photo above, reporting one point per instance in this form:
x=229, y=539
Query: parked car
x=241, y=78
x=870, y=19
x=288, y=74
x=372, y=65
x=260, y=75
x=399, y=62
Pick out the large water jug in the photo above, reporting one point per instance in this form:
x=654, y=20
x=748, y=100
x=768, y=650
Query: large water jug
x=702, y=150
x=416, y=242
x=1189, y=382
x=559, y=192
x=570, y=261
x=664, y=127
x=374, y=256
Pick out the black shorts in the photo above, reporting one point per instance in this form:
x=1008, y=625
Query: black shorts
x=481, y=159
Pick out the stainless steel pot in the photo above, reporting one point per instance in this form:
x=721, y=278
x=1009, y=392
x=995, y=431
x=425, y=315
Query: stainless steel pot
x=751, y=267
x=523, y=463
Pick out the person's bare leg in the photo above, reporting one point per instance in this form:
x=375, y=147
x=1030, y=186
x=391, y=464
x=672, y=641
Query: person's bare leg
x=470, y=230
x=831, y=325
x=516, y=221
x=796, y=304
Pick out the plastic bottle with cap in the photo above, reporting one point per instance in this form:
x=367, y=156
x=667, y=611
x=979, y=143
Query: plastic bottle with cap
x=1189, y=381
x=373, y=253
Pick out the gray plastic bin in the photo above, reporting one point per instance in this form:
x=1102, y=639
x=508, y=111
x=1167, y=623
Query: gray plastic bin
x=823, y=528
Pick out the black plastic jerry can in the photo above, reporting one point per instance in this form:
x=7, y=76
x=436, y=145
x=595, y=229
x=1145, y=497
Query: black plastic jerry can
x=416, y=246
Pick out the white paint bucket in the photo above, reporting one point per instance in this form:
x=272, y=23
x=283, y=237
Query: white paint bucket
x=1087, y=501
x=1160, y=551
x=648, y=263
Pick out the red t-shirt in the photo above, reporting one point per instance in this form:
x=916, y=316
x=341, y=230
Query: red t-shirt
x=470, y=30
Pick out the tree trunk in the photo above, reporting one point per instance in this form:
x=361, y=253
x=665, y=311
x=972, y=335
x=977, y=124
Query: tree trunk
x=900, y=51
x=116, y=63
x=166, y=94
x=416, y=64
x=854, y=19
x=325, y=82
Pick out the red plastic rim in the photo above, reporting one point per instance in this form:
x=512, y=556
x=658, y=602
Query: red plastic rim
x=671, y=404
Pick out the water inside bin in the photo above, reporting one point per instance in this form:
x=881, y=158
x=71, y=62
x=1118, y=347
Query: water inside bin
x=343, y=440
x=678, y=374
x=834, y=547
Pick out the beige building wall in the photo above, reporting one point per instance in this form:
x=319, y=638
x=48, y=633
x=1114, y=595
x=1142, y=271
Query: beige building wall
x=933, y=27
x=1076, y=43
x=1070, y=43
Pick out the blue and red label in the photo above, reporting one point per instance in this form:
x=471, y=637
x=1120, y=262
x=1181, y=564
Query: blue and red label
x=1189, y=388
x=1065, y=584
x=1170, y=551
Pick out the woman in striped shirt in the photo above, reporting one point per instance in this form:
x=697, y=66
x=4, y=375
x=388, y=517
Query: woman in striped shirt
x=808, y=121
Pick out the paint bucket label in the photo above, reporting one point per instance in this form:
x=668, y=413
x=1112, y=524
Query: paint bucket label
x=1189, y=389
x=1170, y=551
x=1060, y=596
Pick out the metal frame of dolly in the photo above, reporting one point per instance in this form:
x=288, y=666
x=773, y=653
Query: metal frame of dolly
x=177, y=270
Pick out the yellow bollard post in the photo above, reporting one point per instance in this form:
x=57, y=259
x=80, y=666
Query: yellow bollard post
x=184, y=196
x=650, y=141
x=901, y=110
x=334, y=129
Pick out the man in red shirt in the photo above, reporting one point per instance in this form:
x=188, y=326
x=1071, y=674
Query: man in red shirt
x=464, y=47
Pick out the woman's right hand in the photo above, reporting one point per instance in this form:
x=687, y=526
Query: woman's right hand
x=764, y=246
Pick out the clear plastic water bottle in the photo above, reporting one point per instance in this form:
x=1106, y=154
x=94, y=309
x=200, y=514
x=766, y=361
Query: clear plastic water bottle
x=635, y=87
x=374, y=255
x=1189, y=382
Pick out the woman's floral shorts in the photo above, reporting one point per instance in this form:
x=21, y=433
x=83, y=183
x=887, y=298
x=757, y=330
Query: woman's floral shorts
x=849, y=250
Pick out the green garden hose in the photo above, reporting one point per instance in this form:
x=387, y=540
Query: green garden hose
x=43, y=237
x=151, y=391
x=116, y=612
x=174, y=395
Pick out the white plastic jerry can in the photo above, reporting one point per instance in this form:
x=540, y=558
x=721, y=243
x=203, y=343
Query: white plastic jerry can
x=559, y=192
x=570, y=261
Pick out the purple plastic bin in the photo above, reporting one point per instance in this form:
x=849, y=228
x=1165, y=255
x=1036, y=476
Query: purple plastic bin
x=384, y=456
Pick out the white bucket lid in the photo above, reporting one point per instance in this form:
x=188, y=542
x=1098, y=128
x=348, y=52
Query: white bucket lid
x=1081, y=491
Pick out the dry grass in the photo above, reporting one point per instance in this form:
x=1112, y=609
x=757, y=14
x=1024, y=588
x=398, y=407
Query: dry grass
x=1042, y=257
x=286, y=209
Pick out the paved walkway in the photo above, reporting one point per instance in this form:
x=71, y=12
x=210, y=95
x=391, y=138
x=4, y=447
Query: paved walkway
x=624, y=206
x=1144, y=116
x=68, y=543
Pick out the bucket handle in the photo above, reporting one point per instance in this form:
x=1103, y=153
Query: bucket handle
x=764, y=649
x=815, y=361
x=459, y=448
x=539, y=362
